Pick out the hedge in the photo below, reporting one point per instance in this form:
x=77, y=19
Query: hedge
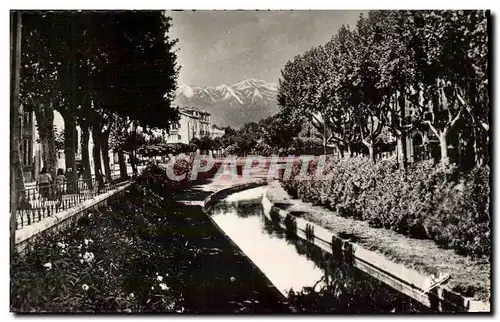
x=428, y=200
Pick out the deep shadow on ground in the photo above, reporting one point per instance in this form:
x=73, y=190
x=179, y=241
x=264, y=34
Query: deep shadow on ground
x=212, y=275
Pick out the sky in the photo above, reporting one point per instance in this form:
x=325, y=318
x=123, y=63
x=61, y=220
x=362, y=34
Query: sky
x=226, y=47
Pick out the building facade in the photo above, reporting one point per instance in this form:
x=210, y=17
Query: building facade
x=216, y=132
x=193, y=123
x=27, y=144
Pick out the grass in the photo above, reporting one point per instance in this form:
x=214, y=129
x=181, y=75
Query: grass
x=469, y=277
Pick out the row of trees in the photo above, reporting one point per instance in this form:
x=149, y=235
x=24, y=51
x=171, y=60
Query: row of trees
x=108, y=72
x=394, y=73
x=277, y=134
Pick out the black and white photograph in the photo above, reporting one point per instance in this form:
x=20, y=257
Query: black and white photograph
x=243, y=162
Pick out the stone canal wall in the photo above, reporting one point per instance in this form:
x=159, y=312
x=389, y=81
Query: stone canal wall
x=399, y=277
x=28, y=234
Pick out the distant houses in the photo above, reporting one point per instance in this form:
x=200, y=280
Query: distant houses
x=193, y=123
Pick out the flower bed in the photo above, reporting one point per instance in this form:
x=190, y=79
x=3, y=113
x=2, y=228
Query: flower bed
x=425, y=201
x=140, y=253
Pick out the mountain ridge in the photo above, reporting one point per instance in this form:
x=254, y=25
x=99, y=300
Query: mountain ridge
x=232, y=105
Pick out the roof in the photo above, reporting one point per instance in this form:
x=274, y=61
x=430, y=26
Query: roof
x=188, y=115
x=188, y=109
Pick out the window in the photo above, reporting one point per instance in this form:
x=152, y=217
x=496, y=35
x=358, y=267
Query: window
x=179, y=137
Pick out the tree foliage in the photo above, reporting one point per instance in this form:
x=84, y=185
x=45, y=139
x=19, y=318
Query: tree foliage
x=396, y=72
x=102, y=70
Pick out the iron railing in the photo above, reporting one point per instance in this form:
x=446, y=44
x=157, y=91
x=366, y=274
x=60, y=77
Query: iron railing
x=35, y=204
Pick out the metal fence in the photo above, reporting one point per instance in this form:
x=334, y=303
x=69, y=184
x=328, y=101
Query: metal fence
x=34, y=204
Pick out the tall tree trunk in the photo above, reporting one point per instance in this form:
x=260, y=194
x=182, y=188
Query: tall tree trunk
x=349, y=150
x=324, y=137
x=87, y=173
x=44, y=114
x=133, y=161
x=105, y=155
x=403, y=150
x=21, y=193
x=371, y=153
x=123, y=165
x=443, y=143
x=341, y=151
x=480, y=147
x=70, y=142
x=96, y=151
x=371, y=150
x=15, y=55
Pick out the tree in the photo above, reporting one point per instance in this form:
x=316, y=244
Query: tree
x=15, y=164
x=366, y=99
x=40, y=80
x=279, y=130
x=342, y=63
x=454, y=73
x=205, y=144
x=138, y=81
x=59, y=137
x=397, y=55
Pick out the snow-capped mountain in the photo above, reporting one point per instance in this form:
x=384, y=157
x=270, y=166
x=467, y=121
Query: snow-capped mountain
x=233, y=105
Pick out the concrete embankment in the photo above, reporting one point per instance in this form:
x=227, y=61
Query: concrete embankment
x=406, y=280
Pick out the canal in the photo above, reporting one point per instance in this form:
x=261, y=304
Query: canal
x=313, y=280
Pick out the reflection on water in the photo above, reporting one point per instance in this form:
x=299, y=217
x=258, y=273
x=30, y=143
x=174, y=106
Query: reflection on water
x=313, y=280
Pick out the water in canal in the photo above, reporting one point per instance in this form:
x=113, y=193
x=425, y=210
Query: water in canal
x=313, y=280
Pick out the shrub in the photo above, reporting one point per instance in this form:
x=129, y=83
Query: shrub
x=424, y=201
x=102, y=264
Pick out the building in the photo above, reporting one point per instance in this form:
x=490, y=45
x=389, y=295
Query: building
x=27, y=141
x=193, y=123
x=216, y=132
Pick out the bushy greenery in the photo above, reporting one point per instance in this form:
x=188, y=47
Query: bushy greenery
x=140, y=253
x=155, y=177
x=105, y=263
x=427, y=200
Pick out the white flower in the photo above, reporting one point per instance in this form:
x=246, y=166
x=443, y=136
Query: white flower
x=131, y=295
x=88, y=241
x=152, y=287
x=80, y=255
x=81, y=261
x=164, y=286
x=88, y=257
x=48, y=265
x=85, y=287
x=90, y=214
x=62, y=245
x=232, y=279
x=156, y=273
x=159, y=278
